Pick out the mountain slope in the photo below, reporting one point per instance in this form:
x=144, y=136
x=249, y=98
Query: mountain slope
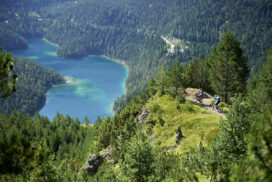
x=167, y=115
x=32, y=85
x=131, y=30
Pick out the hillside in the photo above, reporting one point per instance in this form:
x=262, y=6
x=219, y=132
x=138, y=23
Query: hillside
x=132, y=30
x=11, y=40
x=142, y=141
x=167, y=115
x=32, y=85
x=159, y=131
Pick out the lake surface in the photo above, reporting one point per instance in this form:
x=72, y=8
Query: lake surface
x=97, y=82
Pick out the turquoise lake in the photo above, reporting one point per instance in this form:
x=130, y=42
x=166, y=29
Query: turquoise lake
x=96, y=82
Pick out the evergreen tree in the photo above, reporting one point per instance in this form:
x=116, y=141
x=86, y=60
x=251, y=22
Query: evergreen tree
x=104, y=135
x=161, y=81
x=199, y=73
x=138, y=161
x=228, y=67
x=151, y=87
x=174, y=79
x=44, y=169
x=260, y=87
x=257, y=165
x=86, y=120
x=7, y=79
x=228, y=147
x=168, y=168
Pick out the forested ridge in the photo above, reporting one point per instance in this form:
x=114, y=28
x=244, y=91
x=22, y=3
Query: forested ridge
x=159, y=135
x=18, y=42
x=132, y=30
x=32, y=85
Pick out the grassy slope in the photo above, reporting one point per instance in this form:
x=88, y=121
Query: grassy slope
x=197, y=124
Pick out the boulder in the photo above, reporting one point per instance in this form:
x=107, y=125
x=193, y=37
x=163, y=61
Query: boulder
x=93, y=164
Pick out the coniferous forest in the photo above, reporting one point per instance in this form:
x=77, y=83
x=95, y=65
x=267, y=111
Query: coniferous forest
x=33, y=82
x=158, y=132
x=132, y=30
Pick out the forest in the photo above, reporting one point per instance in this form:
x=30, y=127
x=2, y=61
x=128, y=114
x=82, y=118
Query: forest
x=131, y=30
x=31, y=87
x=237, y=147
x=157, y=133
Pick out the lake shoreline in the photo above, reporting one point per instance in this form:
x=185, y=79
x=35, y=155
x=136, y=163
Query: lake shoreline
x=123, y=63
x=118, y=61
x=49, y=42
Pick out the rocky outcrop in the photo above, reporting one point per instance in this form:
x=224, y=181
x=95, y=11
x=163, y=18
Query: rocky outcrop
x=144, y=114
x=93, y=164
x=94, y=161
x=107, y=155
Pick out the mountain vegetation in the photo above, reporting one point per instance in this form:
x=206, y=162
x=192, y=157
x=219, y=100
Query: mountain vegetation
x=31, y=87
x=11, y=40
x=7, y=78
x=132, y=30
x=142, y=136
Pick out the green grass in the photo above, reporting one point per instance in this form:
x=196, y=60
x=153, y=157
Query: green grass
x=84, y=125
x=197, y=124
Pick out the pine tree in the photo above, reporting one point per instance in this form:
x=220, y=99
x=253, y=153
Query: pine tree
x=174, y=79
x=257, y=166
x=86, y=120
x=104, y=135
x=201, y=74
x=260, y=87
x=151, y=87
x=7, y=79
x=161, y=81
x=138, y=161
x=228, y=147
x=228, y=67
x=44, y=169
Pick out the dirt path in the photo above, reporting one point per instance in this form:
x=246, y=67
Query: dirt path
x=205, y=101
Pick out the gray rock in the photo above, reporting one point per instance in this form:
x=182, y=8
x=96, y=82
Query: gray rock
x=178, y=135
x=93, y=164
x=144, y=114
x=106, y=154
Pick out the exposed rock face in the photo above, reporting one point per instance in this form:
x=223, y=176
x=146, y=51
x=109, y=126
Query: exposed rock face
x=144, y=114
x=93, y=164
